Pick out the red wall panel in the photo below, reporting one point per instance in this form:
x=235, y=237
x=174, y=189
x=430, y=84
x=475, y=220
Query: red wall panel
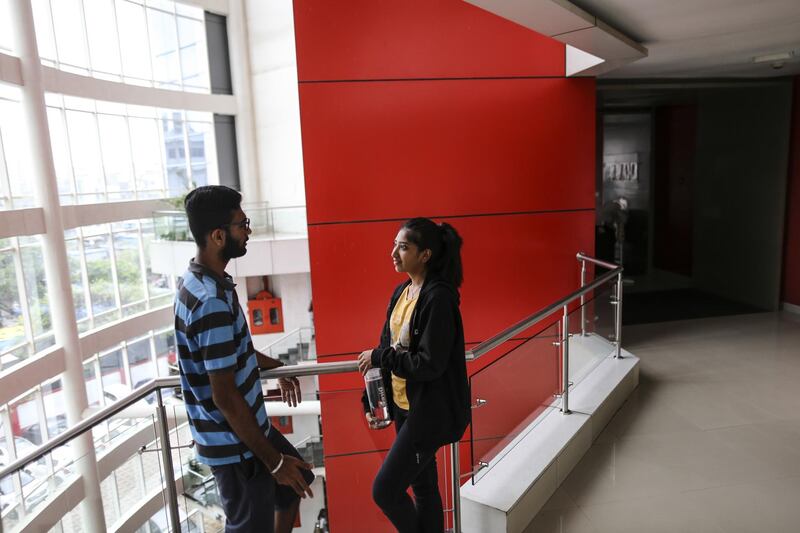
x=479, y=128
x=344, y=427
x=456, y=147
x=383, y=39
x=791, y=265
x=349, y=486
x=513, y=265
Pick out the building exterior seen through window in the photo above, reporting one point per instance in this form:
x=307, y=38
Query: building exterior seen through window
x=155, y=44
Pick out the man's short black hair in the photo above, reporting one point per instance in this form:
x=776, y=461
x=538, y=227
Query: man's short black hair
x=208, y=208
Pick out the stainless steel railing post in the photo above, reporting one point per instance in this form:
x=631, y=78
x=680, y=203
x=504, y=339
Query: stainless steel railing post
x=169, y=470
x=583, y=298
x=565, y=360
x=618, y=318
x=456, y=481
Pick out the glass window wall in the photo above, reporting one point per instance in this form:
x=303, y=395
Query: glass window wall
x=153, y=44
x=16, y=189
x=106, y=152
x=6, y=29
x=25, y=326
x=113, y=261
x=103, y=152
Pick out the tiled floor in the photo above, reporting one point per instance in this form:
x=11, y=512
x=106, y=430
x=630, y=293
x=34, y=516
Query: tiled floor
x=709, y=442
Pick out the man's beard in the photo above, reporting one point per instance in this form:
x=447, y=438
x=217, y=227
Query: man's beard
x=232, y=248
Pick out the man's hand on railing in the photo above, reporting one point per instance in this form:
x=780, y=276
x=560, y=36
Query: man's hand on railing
x=290, y=391
x=289, y=474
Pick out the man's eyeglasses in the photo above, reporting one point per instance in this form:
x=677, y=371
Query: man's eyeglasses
x=244, y=224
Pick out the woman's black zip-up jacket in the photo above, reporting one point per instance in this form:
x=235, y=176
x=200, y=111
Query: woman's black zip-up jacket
x=433, y=366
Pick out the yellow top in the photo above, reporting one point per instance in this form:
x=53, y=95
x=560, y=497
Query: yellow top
x=399, y=324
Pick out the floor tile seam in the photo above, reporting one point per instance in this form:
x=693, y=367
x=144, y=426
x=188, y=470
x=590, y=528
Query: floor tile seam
x=753, y=482
x=586, y=517
x=581, y=507
x=650, y=496
x=672, y=344
x=631, y=439
x=760, y=421
x=745, y=424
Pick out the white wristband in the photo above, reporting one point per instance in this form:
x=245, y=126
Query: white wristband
x=277, y=467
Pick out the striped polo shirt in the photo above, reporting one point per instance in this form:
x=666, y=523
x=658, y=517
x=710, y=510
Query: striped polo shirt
x=212, y=335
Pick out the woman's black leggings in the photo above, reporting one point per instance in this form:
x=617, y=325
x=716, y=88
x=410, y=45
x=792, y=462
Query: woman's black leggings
x=404, y=467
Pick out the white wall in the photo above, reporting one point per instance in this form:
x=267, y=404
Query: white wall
x=270, y=27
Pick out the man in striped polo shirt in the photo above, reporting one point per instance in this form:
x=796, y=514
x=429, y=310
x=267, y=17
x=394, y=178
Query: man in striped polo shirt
x=260, y=476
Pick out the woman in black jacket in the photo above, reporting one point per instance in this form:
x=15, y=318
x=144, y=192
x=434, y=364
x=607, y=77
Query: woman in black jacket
x=421, y=357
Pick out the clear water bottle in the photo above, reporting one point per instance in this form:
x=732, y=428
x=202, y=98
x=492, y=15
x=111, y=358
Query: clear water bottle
x=378, y=402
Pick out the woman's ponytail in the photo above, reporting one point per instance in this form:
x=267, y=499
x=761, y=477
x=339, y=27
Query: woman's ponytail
x=444, y=243
x=450, y=257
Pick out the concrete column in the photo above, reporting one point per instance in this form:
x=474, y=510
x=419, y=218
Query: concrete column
x=62, y=309
x=247, y=147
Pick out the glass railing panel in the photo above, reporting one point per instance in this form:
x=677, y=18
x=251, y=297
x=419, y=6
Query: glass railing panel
x=590, y=344
x=108, y=433
x=307, y=345
x=260, y=221
x=51, y=487
x=512, y=393
x=171, y=226
x=121, y=468
x=198, y=496
x=353, y=455
x=26, y=492
x=199, y=504
x=265, y=222
x=289, y=222
x=193, y=522
x=293, y=348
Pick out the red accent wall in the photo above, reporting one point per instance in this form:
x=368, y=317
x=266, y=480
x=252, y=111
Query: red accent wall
x=791, y=265
x=431, y=108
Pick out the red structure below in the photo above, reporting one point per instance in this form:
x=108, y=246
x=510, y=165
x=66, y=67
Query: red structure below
x=791, y=265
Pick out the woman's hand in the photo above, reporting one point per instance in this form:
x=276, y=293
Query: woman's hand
x=365, y=361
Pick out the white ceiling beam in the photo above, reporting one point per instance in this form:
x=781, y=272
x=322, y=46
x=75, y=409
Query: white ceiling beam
x=22, y=222
x=10, y=69
x=75, y=216
x=573, y=26
x=59, y=81
x=21, y=378
x=99, y=339
x=219, y=7
x=579, y=61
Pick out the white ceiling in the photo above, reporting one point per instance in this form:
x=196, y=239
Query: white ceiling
x=703, y=38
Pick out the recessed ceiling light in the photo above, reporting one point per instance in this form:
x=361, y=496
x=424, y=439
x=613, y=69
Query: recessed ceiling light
x=771, y=58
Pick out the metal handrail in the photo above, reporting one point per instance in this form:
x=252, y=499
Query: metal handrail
x=251, y=207
x=526, y=323
x=152, y=386
x=580, y=256
x=303, y=370
x=300, y=370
